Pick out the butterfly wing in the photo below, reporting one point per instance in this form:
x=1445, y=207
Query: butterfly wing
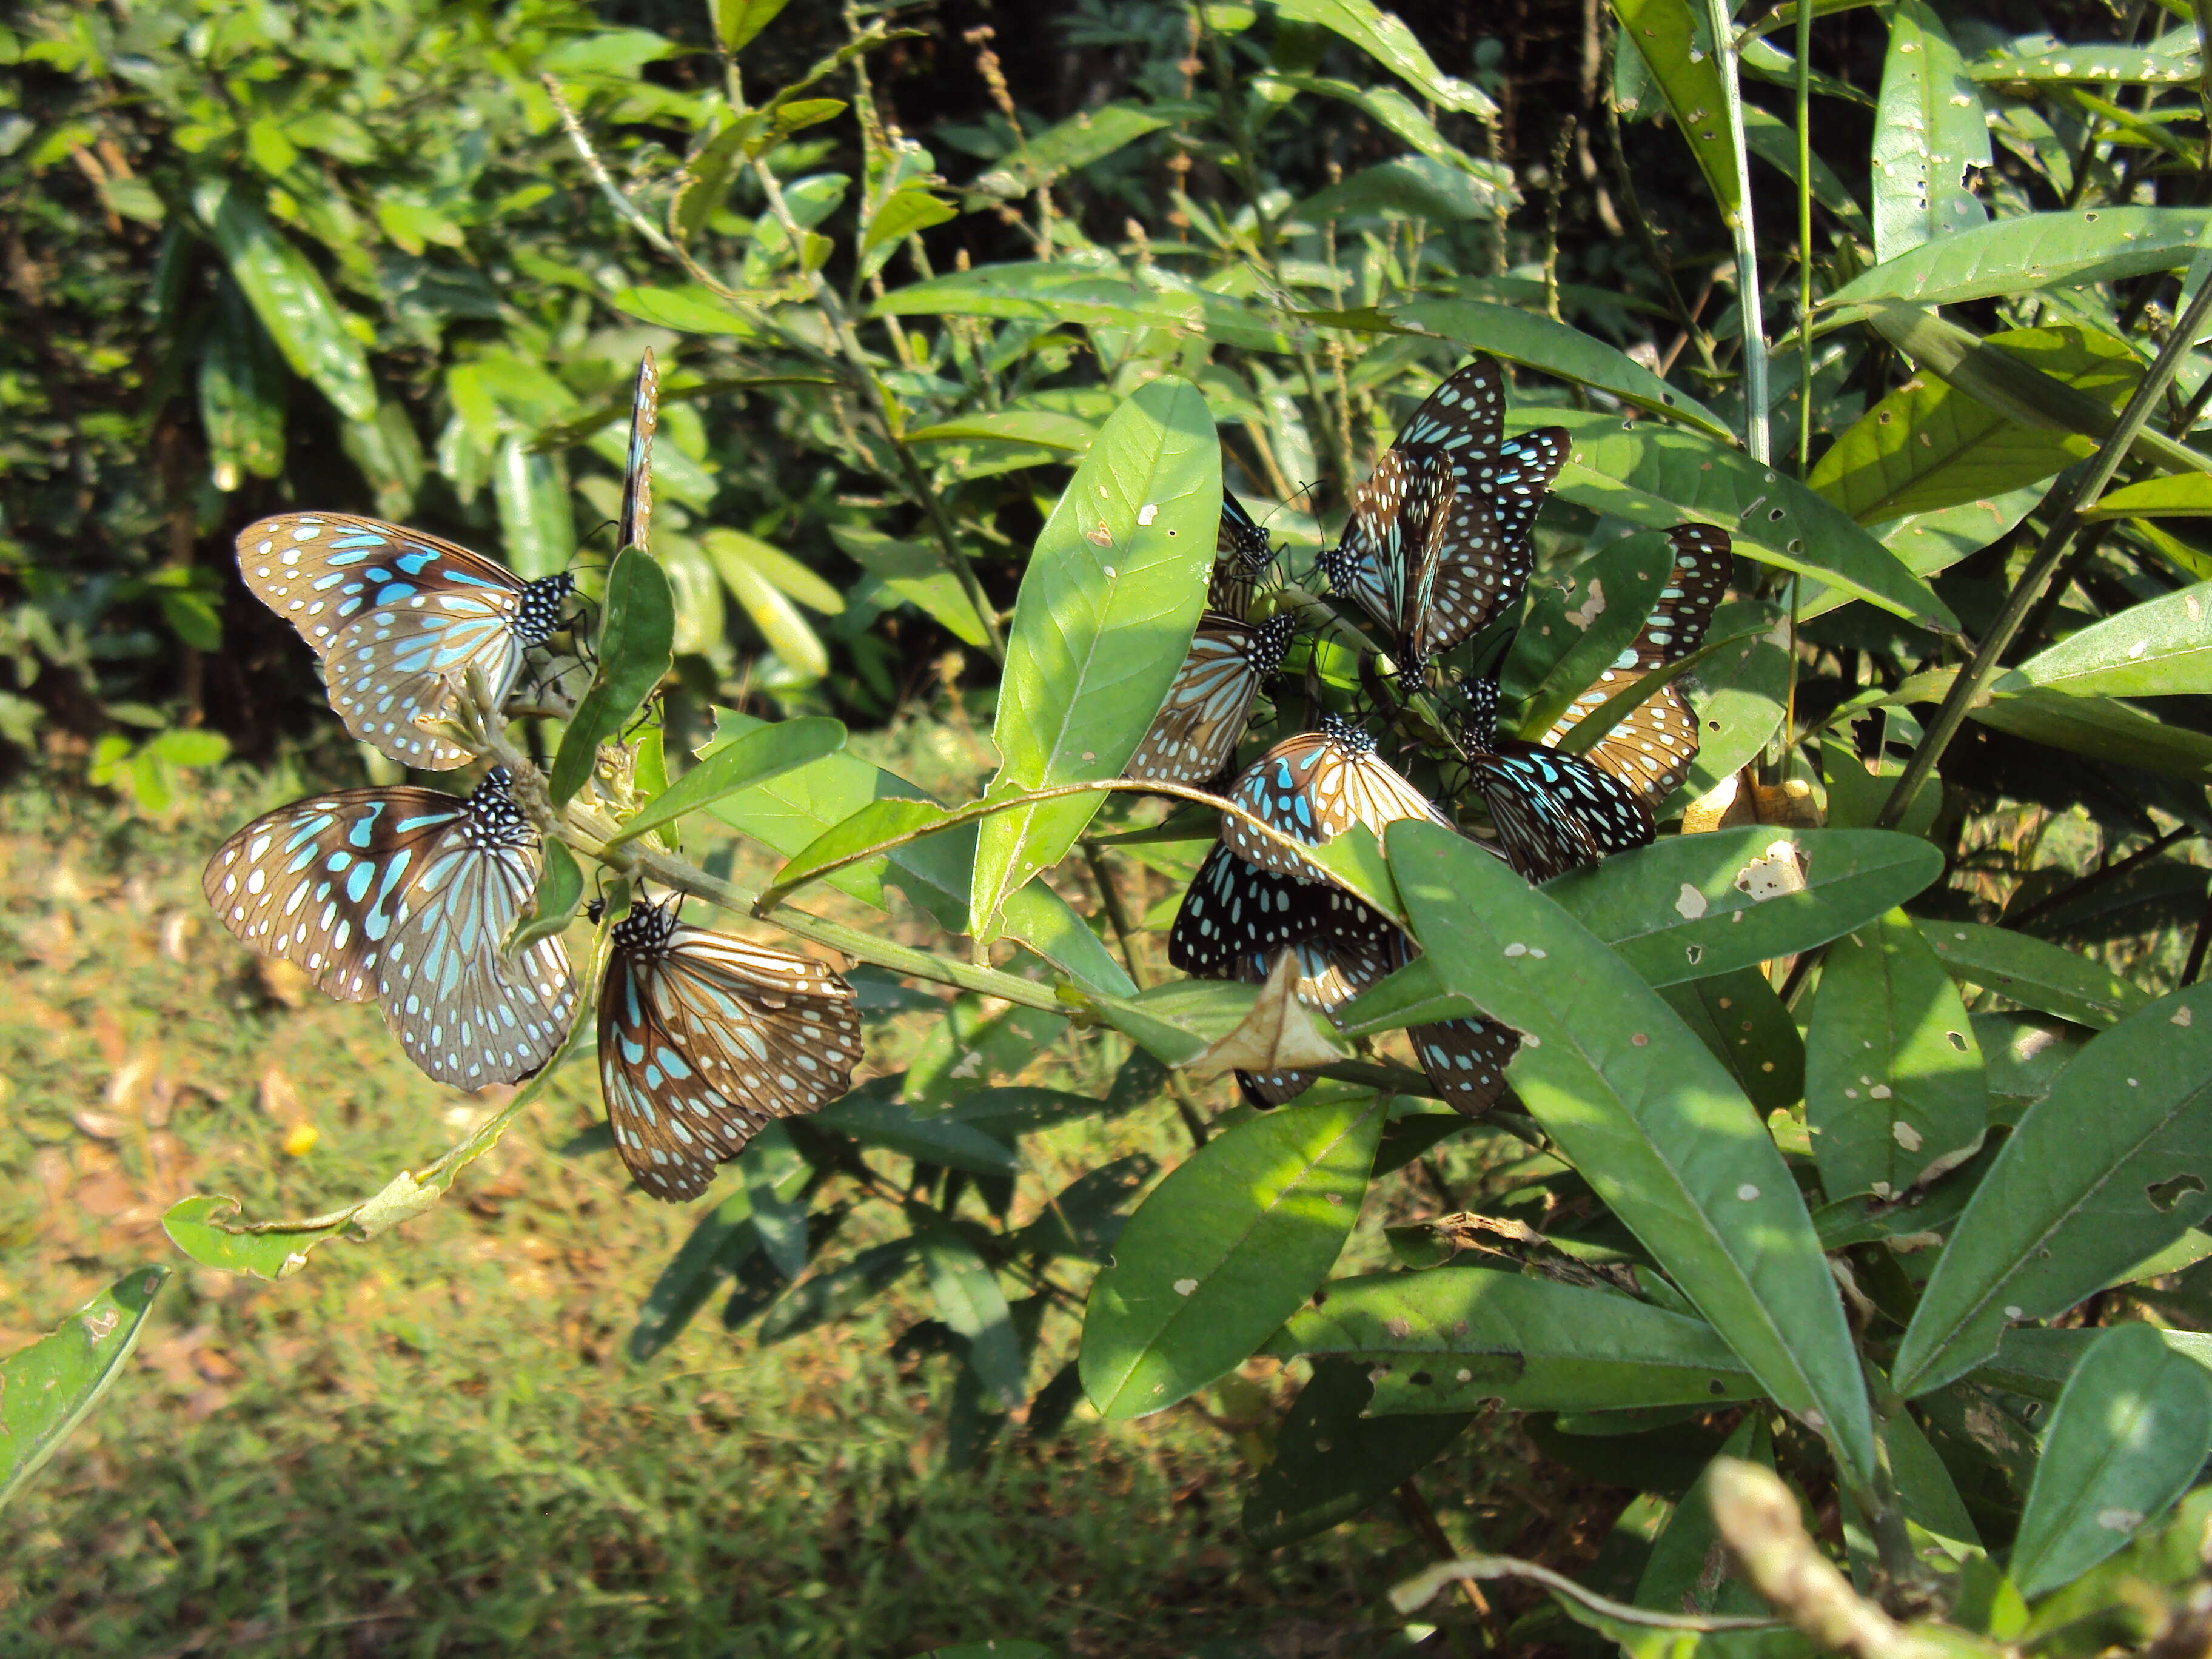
x=1655, y=744
x=1313, y=787
x=393, y=670
x=705, y=1040
x=637, y=520
x=1194, y=736
x=315, y=883
x=1241, y=552
x=1233, y=908
x=1556, y=812
x=1330, y=974
x=1379, y=558
x=321, y=571
x=465, y=1012
x=1464, y=1060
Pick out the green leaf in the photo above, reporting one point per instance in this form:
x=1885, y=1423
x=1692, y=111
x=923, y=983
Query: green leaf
x=904, y=213
x=1684, y=1572
x=1893, y=1083
x=2035, y=1361
x=835, y=1292
x=916, y=573
x=1066, y=292
x=789, y=812
x=765, y=752
x=1619, y=586
x=48, y=1387
x=1450, y=1337
x=722, y=1240
x=243, y=383
x=637, y=630
x=1106, y=612
x=891, y=1124
x=1657, y=476
x=2102, y=728
x=970, y=1303
x=1742, y=694
x=532, y=498
x=1331, y=1461
x=290, y=297
x=2184, y=495
x=689, y=309
x=2170, y=60
x=1041, y=427
x=1649, y=1120
x=1387, y=106
x=2034, y=972
x=1929, y=128
x=1074, y=144
x=1383, y=37
x=560, y=896
x=1929, y=445
x=737, y=559
x=2114, y=1164
x=1677, y=48
x=1411, y=186
x=2029, y=253
x=1739, y=1017
x=2128, y=1435
x=1085, y=1219
x=272, y=1253
x=2159, y=649
x=1223, y=1251
x=1689, y=907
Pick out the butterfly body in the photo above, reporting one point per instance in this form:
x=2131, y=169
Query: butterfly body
x=704, y=1039
x=398, y=618
x=1241, y=554
x=408, y=895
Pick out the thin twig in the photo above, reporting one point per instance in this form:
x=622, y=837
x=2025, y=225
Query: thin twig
x=1117, y=918
x=2097, y=878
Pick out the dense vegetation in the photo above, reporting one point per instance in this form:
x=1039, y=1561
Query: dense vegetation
x=1833, y=1266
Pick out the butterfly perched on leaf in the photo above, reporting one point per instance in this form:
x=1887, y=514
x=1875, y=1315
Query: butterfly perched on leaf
x=398, y=618
x=408, y=895
x=704, y=1040
x=1438, y=540
x=1193, y=738
x=635, y=525
x=1313, y=787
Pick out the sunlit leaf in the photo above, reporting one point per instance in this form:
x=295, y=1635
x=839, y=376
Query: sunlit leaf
x=47, y=1387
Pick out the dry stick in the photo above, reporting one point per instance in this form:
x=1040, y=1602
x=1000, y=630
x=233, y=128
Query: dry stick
x=2194, y=965
x=2096, y=878
x=1117, y=918
x=1422, y=1520
x=2049, y=552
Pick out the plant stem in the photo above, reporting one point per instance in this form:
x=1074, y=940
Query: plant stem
x=1117, y=918
x=1755, y=437
x=1977, y=673
x=2096, y=878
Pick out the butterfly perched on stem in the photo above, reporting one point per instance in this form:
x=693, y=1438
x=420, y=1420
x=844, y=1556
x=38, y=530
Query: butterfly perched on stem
x=1194, y=736
x=1438, y=540
x=398, y=618
x=635, y=524
x=1313, y=787
x=408, y=895
x=704, y=1040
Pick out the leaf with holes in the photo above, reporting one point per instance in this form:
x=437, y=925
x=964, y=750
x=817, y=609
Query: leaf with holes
x=46, y=1388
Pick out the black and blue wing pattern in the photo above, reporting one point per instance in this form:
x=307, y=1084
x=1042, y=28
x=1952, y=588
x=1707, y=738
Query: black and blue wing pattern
x=1241, y=554
x=704, y=1040
x=398, y=618
x=1313, y=787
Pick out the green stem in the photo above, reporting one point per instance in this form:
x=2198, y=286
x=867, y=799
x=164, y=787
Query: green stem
x=1977, y=673
x=1117, y=918
x=1755, y=438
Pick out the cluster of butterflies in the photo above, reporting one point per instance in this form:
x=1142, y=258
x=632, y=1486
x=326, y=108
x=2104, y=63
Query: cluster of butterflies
x=1435, y=552
x=411, y=896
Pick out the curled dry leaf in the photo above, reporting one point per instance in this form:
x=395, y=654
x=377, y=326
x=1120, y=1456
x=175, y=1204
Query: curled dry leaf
x=1280, y=1033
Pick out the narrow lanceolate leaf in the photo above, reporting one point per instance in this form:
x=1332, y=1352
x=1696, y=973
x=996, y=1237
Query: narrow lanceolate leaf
x=1223, y=1251
x=1650, y=1120
x=1075, y=142
x=790, y=811
x=1657, y=476
x=637, y=633
x=2186, y=496
x=1893, y=1083
x=1331, y=1460
x=2102, y=728
x=1689, y=907
x=2035, y=972
x=767, y=752
x=1108, y=606
x=2115, y=1162
x=2162, y=647
x=1386, y=40
x=1672, y=38
x=1929, y=128
x=289, y=296
x=969, y=1301
x=1739, y=1017
x=2032, y=251
x=560, y=896
x=2128, y=1435
x=1448, y=1338
x=46, y=1389
x=1929, y=445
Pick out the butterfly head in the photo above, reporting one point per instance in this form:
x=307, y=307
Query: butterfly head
x=538, y=613
x=1477, y=715
x=1240, y=539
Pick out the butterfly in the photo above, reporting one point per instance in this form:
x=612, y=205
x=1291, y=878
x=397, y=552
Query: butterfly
x=1313, y=787
x=1437, y=543
x=1241, y=554
x=1553, y=812
x=398, y=618
x=408, y=894
x=705, y=1039
x=1464, y=1060
x=1194, y=736
x=637, y=520
x=1652, y=748
x=1234, y=909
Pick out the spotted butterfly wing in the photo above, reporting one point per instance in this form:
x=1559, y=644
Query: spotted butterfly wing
x=1241, y=554
x=1194, y=738
x=1330, y=976
x=1234, y=909
x=1313, y=787
x=1464, y=1060
x=1556, y=812
x=1655, y=744
x=1386, y=560
x=704, y=1040
x=637, y=522
x=407, y=895
x=1486, y=560
x=398, y=618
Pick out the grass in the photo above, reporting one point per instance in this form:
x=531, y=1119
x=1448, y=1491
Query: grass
x=435, y=1445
